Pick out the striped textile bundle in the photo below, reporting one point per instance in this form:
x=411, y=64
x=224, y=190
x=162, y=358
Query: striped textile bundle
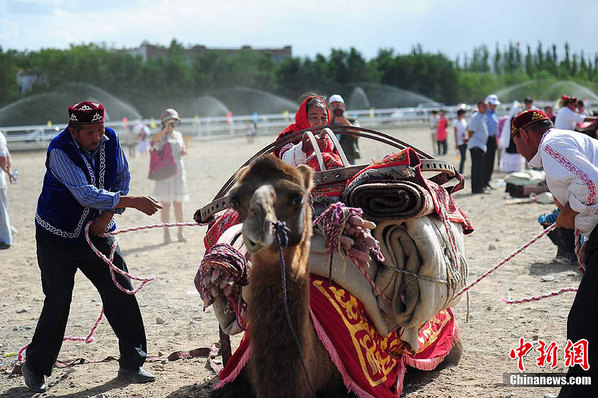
x=386, y=194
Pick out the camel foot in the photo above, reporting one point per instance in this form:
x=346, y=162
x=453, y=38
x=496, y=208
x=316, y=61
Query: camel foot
x=234, y=389
x=454, y=355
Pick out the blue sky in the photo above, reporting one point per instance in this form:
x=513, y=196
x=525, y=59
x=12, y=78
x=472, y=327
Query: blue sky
x=309, y=26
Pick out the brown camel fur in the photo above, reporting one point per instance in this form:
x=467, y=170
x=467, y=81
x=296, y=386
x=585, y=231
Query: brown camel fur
x=271, y=190
x=267, y=191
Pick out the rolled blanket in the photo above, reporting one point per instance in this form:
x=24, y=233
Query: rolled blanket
x=389, y=199
x=391, y=189
x=420, y=274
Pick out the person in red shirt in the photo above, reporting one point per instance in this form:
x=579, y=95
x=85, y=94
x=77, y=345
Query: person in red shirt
x=441, y=134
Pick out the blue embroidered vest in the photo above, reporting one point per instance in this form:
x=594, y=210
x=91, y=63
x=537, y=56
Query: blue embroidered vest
x=59, y=215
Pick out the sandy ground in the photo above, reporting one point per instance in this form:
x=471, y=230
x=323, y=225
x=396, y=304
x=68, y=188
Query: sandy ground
x=172, y=309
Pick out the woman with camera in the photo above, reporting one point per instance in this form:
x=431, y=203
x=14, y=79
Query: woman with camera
x=172, y=189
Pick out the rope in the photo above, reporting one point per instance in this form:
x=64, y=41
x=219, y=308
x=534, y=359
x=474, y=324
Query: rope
x=522, y=248
x=150, y=226
x=89, y=338
x=332, y=223
x=283, y=240
x=224, y=270
x=538, y=298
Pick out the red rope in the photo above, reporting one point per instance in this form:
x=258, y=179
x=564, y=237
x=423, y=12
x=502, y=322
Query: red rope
x=113, y=268
x=522, y=248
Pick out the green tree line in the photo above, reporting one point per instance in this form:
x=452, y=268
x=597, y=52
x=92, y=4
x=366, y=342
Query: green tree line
x=465, y=79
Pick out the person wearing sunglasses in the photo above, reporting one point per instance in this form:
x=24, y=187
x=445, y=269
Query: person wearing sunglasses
x=172, y=189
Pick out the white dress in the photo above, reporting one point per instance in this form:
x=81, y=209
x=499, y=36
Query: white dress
x=173, y=189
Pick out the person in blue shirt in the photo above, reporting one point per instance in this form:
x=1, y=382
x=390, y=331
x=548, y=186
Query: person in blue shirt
x=87, y=180
x=491, y=144
x=477, y=133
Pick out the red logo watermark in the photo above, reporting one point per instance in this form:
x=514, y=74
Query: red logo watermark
x=573, y=354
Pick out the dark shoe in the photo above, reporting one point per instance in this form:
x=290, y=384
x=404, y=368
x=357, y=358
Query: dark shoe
x=4, y=246
x=34, y=379
x=139, y=375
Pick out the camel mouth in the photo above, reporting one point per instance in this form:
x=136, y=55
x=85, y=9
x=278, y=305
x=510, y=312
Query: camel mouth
x=252, y=246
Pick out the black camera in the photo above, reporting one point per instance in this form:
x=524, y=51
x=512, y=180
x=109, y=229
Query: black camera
x=338, y=112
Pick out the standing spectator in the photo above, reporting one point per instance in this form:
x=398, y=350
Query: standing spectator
x=142, y=136
x=567, y=117
x=460, y=128
x=477, y=134
x=510, y=160
x=5, y=168
x=581, y=108
x=491, y=144
x=528, y=103
x=441, y=134
x=549, y=110
x=87, y=179
x=570, y=162
x=349, y=143
x=433, y=132
x=172, y=189
x=130, y=141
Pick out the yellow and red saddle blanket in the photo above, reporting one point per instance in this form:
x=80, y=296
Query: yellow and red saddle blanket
x=371, y=365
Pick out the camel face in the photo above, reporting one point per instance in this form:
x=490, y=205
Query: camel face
x=269, y=191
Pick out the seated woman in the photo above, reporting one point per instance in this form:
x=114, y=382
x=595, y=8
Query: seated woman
x=313, y=112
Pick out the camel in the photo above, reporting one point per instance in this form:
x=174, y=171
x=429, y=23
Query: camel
x=268, y=191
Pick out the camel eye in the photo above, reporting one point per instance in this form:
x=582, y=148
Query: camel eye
x=296, y=200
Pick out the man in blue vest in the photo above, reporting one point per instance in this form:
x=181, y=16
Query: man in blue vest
x=87, y=180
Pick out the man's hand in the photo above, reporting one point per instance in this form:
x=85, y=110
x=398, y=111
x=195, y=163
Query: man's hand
x=145, y=204
x=341, y=120
x=99, y=225
x=566, y=217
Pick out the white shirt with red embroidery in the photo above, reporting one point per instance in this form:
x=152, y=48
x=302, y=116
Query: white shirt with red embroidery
x=293, y=154
x=566, y=119
x=570, y=161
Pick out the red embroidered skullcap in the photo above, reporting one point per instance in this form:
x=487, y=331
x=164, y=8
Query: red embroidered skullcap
x=86, y=112
x=526, y=119
x=565, y=99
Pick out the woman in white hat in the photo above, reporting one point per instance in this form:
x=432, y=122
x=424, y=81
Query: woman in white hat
x=172, y=189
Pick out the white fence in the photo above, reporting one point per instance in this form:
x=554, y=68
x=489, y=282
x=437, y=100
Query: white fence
x=208, y=128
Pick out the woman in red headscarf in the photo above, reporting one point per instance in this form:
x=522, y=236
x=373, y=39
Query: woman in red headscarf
x=313, y=112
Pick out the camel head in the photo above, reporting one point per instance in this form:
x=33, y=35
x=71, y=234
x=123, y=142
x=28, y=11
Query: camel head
x=270, y=190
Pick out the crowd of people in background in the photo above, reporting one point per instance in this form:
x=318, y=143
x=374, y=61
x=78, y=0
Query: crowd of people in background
x=486, y=136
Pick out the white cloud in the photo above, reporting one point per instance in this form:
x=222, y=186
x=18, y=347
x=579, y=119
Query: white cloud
x=310, y=26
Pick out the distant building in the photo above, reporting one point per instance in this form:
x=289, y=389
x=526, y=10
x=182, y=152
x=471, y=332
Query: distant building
x=25, y=80
x=149, y=51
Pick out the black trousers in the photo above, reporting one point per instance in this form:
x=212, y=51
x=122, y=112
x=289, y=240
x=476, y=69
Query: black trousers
x=477, y=169
x=489, y=160
x=442, y=147
x=582, y=322
x=463, y=153
x=564, y=239
x=58, y=263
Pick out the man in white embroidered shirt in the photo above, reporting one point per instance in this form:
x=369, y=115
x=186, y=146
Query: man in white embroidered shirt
x=570, y=161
